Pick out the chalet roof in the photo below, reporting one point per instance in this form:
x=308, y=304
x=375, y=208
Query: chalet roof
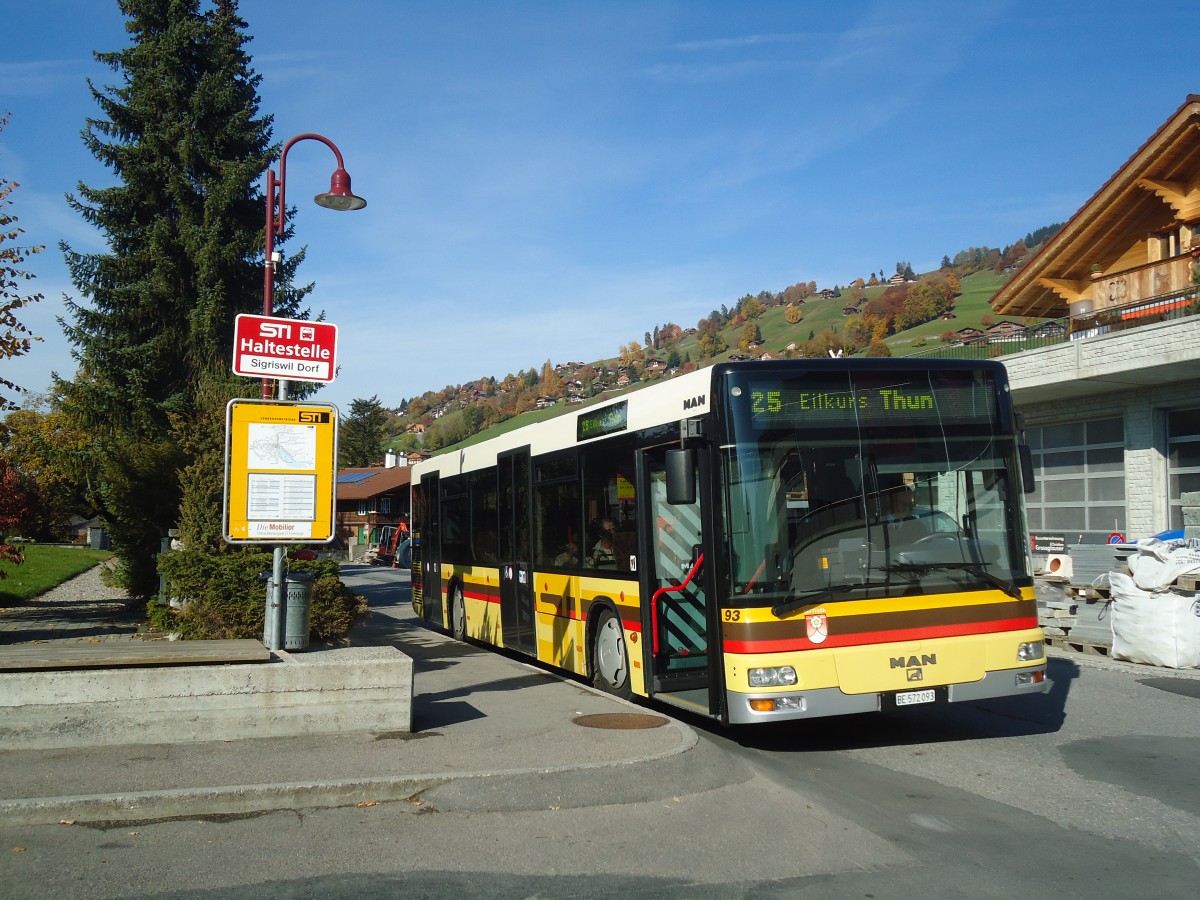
x=1007, y=327
x=373, y=481
x=1155, y=190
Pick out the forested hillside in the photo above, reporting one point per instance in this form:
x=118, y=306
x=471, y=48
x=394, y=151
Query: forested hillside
x=878, y=315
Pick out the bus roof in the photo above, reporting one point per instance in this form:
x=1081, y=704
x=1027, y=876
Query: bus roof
x=666, y=401
x=681, y=397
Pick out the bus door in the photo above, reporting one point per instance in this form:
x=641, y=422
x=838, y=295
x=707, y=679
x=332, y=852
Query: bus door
x=516, y=573
x=431, y=551
x=675, y=582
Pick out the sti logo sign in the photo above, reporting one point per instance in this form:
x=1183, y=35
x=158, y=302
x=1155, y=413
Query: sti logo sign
x=289, y=349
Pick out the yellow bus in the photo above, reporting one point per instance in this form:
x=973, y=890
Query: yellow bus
x=752, y=542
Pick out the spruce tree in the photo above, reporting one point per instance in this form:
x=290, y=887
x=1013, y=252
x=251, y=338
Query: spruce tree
x=361, y=434
x=182, y=133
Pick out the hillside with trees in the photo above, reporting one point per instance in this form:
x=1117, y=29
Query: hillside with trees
x=878, y=315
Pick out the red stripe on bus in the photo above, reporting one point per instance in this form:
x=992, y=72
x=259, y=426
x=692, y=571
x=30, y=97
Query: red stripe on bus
x=881, y=637
x=479, y=595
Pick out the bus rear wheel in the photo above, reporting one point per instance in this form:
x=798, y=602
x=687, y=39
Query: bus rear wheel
x=610, y=659
x=458, y=615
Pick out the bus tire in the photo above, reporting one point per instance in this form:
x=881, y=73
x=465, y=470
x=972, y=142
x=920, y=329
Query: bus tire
x=458, y=614
x=610, y=656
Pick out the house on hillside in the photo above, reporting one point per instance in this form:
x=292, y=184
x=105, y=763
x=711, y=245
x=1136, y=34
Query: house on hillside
x=1051, y=329
x=1003, y=332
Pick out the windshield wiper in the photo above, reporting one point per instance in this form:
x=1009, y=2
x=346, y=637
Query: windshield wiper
x=795, y=601
x=974, y=568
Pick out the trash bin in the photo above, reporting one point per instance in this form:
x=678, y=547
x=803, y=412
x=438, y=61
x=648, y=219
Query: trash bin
x=297, y=610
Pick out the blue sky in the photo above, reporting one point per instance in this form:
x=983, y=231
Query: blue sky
x=549, y=180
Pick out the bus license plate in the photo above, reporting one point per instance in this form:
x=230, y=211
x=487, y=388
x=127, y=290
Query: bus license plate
x=908, y=698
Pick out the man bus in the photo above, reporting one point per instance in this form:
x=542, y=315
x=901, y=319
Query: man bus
x=725, y=541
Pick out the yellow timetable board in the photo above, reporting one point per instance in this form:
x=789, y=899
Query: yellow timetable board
x=280, y=472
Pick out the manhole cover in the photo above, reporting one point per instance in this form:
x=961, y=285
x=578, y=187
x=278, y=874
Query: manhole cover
x=621, y=721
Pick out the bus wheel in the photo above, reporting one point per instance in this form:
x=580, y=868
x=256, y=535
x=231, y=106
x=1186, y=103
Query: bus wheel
x=458, y=615
x=610, y=661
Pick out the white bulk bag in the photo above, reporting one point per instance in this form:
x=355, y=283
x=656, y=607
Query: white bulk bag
x=1158, y=628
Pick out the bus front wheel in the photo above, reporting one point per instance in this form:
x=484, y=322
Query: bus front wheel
x=458, y=615
x=610, y=661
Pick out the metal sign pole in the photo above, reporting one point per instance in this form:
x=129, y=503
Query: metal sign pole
x=278, y=576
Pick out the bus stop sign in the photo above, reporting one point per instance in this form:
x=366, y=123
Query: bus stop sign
x=288, y=349
x=280, y=469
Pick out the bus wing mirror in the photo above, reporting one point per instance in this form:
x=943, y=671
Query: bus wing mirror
x=681, y=477
x=1027, y=478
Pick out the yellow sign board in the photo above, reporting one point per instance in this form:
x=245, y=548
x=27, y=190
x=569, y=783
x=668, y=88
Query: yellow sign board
x=280, y=472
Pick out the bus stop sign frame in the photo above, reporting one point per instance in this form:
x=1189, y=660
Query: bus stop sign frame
x=288, y=349
x=280, y=472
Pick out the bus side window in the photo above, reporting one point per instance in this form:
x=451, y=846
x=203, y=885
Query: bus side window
x=608, y=488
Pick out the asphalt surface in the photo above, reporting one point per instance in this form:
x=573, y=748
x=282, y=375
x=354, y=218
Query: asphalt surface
x=490, y=732
x=477, y=715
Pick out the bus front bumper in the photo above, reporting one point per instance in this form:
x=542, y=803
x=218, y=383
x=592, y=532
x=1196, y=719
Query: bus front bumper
x=834, y=702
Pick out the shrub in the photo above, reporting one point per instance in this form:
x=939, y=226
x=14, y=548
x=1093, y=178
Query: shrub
x=335, y=608
x=221, y=596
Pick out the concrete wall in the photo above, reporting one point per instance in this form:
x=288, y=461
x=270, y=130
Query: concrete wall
x=325, y=691
x=1143, y=409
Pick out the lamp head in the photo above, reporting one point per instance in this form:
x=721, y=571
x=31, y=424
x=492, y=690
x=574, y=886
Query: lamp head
x=339, y=195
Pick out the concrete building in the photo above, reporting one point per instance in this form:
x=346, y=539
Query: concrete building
x=1112, y=406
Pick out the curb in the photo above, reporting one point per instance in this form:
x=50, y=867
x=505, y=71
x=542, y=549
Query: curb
x=255, y=799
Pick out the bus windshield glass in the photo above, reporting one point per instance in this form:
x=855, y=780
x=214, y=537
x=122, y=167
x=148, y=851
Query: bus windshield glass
x=846, y=483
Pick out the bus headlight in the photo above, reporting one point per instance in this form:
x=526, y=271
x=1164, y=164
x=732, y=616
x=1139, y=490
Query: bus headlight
x=773, y=676
x=1030, y=650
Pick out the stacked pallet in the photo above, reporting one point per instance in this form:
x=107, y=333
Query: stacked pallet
x=1091, y=564
x=1057, y=609
x=1057, y=617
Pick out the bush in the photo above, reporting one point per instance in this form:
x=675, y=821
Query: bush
x=222, y=596
x=335, y=608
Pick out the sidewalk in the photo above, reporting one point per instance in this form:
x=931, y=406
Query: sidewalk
x=476, y=715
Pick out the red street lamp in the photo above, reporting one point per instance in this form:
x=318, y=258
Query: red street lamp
x=339, y=196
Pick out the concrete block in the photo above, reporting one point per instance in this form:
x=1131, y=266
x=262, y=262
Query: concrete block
x=318, y=692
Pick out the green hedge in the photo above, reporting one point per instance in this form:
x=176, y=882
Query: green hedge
x=222, y=596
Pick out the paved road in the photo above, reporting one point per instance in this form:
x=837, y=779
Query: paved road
x=1089, y=791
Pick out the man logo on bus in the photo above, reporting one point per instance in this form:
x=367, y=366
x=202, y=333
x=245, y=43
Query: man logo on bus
x=818, y=627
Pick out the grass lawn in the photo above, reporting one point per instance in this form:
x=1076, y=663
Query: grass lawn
x=45, y=566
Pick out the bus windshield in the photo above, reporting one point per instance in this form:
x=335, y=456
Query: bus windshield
x=868, y=483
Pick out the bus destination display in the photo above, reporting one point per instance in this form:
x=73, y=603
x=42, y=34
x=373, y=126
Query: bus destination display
x=594, y=423
x=825, y=402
